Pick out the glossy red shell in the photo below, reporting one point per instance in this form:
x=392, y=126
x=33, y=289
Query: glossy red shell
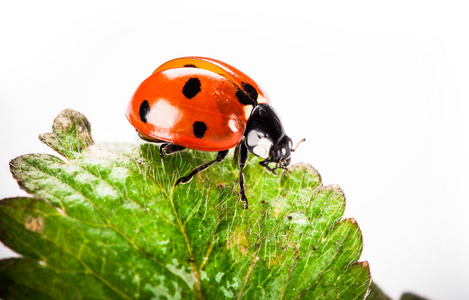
x=170, y=116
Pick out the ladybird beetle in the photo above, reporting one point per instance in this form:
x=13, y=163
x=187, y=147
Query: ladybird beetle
x=205, y=104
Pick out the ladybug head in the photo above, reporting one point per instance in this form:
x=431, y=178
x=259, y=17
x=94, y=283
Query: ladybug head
x=266, y=138
x=280, y=152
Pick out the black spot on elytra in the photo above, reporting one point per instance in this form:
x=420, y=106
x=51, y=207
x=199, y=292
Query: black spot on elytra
x=199, y=129
x=190, y=66
x=191, y=88
x=247, y=95
x=243, y=97
x=251, y=91
x=144, y=110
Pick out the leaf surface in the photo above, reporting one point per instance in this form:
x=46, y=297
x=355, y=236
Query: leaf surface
x=107, y=222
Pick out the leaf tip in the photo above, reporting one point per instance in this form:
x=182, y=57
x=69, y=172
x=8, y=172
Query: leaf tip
x=365, y=264
x=71, y=133
x=70, y=120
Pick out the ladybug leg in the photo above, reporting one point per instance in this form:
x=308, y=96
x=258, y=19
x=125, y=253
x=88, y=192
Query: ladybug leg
x=220, y=156
x=168, y=149
x=265, y=164
x=242, y=160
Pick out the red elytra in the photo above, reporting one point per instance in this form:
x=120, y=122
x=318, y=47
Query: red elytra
x=172, y=115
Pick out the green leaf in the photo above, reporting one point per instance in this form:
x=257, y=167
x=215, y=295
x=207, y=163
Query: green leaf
x=107, y=222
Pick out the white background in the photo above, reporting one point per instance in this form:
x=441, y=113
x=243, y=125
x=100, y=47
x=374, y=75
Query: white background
x=379, y=90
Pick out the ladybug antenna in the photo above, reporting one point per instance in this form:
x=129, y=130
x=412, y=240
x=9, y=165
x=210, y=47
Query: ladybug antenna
x=303, y=140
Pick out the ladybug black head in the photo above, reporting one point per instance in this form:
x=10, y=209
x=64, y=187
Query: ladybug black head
x=266, y=138
x=281, y=151
x=279, y=154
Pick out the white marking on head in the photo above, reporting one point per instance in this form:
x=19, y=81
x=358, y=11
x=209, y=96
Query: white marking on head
x=252, y=138
x=284, y=151
x=262, y=148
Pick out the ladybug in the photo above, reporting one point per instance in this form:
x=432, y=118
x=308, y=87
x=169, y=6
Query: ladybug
x=205, y=104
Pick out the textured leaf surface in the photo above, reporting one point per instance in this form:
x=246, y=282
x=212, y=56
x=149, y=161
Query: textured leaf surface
x=107, y=222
